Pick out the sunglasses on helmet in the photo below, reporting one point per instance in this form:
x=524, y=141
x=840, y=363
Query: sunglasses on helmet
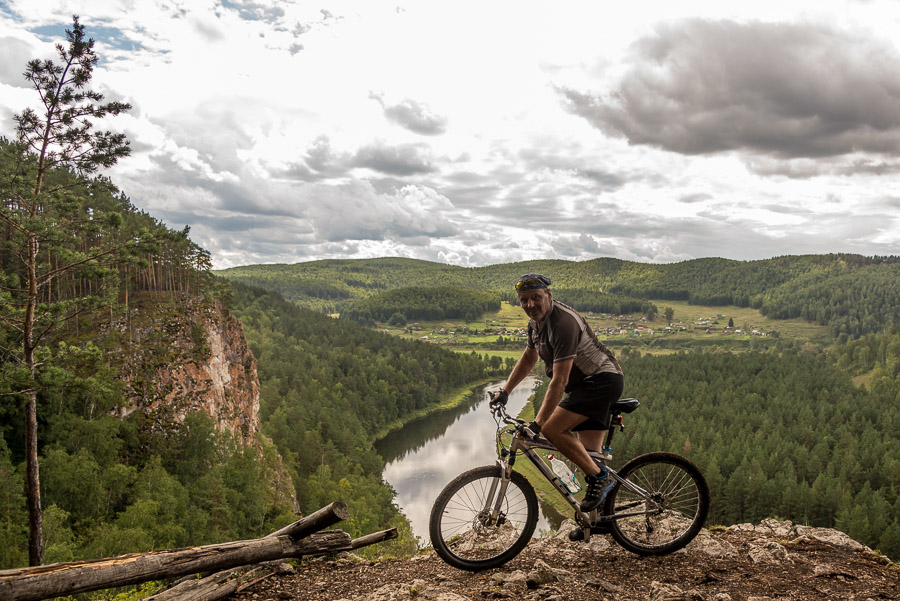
x=531, y=281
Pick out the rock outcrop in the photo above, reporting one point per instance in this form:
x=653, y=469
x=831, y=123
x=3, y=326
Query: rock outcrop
x=176, y=359
x=763, y=562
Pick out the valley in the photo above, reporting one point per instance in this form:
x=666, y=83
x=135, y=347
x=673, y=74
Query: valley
x=693, y=326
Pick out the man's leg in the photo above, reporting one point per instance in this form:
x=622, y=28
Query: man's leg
x=558, y=431
x=592, y=439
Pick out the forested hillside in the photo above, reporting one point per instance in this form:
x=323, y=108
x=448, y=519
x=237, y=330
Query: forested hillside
x=779, y=434
x=329, y=386
x=851, y=294
x=108, y=485
x=422, y=303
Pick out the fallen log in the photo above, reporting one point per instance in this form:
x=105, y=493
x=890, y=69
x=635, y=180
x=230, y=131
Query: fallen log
x=225, y=583
x=319, y=520
x=375, y=537
x=329, y=515
x=217, y=586
x=228, y=582
x=42, y=582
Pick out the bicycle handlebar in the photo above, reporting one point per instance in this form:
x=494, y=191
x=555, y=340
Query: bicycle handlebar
x=521, y=426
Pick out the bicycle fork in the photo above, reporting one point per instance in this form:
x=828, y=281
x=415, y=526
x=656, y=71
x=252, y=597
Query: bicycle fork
x=491, y=514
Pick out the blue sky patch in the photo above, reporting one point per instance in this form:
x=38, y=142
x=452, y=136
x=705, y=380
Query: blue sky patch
x=110, y=36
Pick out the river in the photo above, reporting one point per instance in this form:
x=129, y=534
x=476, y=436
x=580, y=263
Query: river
x=422, y=457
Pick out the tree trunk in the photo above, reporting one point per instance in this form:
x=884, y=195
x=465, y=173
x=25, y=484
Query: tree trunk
x=33, y=484
x=33, y=584
x=32, y=477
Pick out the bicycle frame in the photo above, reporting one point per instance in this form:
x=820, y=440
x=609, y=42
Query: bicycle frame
x=528, y=447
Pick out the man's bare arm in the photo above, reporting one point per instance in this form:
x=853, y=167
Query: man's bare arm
x=561, y=371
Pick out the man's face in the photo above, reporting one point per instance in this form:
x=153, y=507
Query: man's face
x=536, y=303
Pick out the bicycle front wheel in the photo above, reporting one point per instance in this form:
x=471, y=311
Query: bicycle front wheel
x=474, y=528
x=673, y=504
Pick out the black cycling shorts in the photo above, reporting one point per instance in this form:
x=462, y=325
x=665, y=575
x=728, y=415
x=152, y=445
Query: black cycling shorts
x=593, y=398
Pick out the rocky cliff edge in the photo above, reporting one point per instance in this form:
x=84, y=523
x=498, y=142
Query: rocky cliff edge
x=764, y=562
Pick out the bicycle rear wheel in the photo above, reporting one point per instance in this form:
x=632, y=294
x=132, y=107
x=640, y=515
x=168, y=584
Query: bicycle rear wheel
x=677, y=504
x=462, y=531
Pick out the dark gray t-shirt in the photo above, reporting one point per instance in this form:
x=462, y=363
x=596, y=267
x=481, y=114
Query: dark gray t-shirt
x=565, y=334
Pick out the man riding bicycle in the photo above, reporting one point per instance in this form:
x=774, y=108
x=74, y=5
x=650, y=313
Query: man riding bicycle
x=580, y=366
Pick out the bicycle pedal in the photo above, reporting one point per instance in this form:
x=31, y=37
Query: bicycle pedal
x=576, y=535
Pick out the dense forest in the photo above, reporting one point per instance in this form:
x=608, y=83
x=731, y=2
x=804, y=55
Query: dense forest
x=111, y=486
x=108, y=485
x=852, y=294
x=586, y=300
x=421, y=303
x=328, y=387
x=779, y=434
x=94, y=241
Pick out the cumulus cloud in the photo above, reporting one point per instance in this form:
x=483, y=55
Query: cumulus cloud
x=355, y=211
x=695, y=197
x=268, y=12
x=402, y=159
x=803, y=168
x=16, y=54
x=782, y=91
x=319, y=162
x=414, y=116
x=581, y=246
x=574, y=161
x=713, y=138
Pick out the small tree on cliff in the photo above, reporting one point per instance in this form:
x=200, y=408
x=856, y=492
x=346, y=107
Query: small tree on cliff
x=50, y=273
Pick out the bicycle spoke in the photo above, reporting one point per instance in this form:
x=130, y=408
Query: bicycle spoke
x=672, y=510
x=468, y=533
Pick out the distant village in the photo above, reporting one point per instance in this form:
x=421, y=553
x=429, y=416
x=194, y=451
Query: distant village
x=627, y=325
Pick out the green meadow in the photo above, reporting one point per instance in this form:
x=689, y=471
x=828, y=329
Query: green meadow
x=692, y=326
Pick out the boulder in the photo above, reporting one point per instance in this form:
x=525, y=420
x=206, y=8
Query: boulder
x=830, y=535
x=769, y=552
x=709, y=545
x=540, y=573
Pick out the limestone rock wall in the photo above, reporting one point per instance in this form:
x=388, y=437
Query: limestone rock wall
x=189, y=356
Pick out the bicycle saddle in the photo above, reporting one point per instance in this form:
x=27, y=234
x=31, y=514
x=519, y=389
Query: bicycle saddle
x=624, y=406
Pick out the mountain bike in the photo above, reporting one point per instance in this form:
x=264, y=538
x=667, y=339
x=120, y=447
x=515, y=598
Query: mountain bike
x=654, y=505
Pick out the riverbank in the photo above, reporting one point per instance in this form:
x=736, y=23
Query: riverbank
x=456, y=398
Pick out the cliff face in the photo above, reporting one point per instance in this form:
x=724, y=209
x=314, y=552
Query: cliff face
x=193, y=356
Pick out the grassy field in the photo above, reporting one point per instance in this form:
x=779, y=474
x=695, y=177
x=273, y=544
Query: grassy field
x=746, y=318
x=651, y=338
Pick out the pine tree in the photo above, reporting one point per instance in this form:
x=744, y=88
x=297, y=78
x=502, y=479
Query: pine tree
x=43, y=211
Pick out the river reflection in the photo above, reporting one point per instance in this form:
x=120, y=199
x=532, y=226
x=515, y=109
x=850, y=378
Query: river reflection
x=425, y=455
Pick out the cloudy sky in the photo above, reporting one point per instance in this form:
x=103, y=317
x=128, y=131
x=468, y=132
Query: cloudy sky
x=474, y=133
